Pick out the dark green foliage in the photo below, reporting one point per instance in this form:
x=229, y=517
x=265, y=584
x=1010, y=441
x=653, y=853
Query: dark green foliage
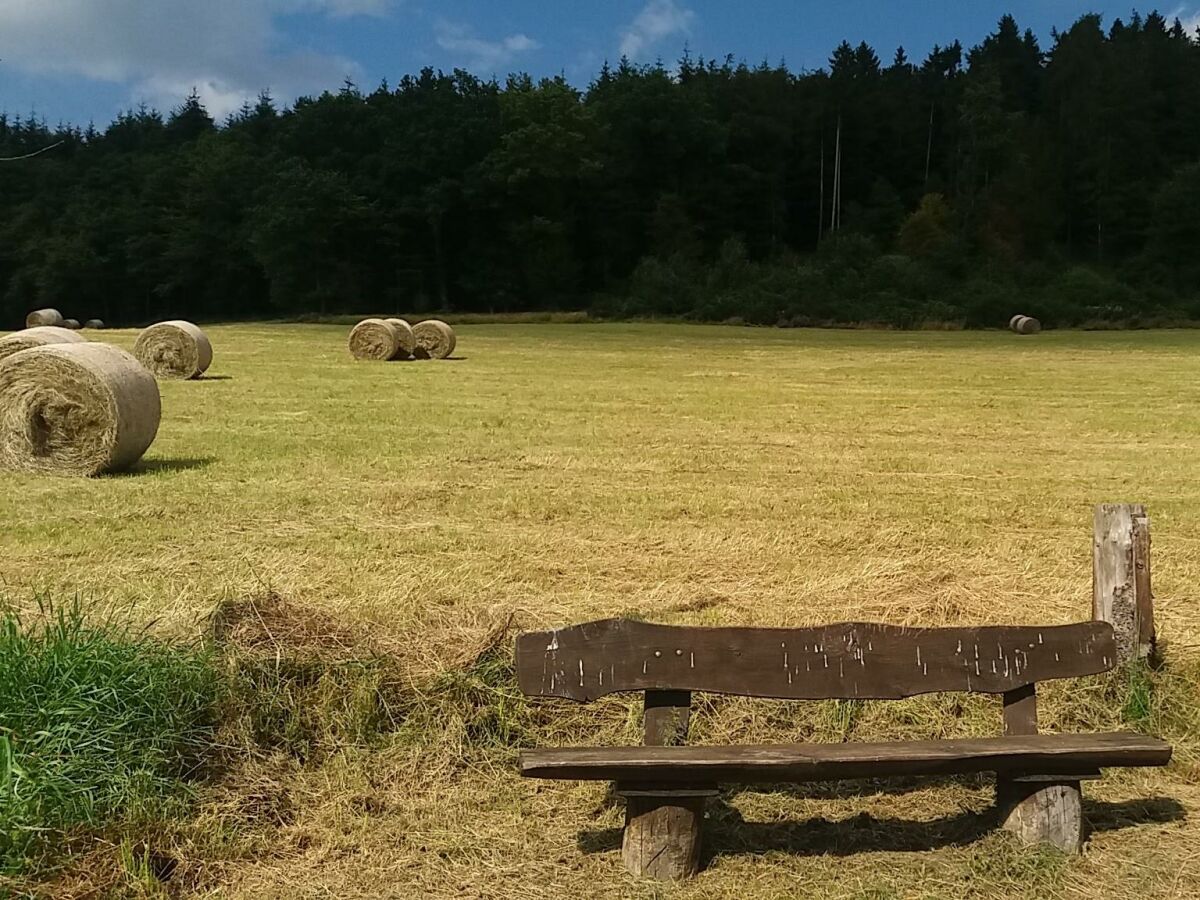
x=97, y=724
x=1060, y=181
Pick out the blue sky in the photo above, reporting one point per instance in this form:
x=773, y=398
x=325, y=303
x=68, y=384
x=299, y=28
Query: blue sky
x=81, y=60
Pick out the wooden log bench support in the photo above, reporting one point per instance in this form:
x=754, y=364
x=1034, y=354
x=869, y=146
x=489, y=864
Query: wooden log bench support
x=666, y=783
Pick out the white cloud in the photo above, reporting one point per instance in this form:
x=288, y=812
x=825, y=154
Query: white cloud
x=478, y=53
x=1189, y=17
x=229, y=50
x=658, y=19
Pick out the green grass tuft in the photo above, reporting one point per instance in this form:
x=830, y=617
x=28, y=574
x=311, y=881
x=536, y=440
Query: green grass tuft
x=97, y=723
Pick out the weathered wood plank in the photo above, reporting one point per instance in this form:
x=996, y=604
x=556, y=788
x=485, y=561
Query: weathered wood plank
x=1033, y=754
x=845, y=661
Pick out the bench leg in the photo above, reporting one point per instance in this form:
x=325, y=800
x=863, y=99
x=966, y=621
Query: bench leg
x=1042, y=812
x=663, y=833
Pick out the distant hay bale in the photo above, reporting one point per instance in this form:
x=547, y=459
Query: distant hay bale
x=1012, y=323
x=37, y=337
x=435, y=339
x=95, y=324
x=73, y=324
x=76, y=409
x=405, y=339
x=174, y=349
x=374, y=339
x=1028, y=325
x=43, y=317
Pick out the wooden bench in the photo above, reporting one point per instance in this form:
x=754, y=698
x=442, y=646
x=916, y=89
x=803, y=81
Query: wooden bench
x=666, y=784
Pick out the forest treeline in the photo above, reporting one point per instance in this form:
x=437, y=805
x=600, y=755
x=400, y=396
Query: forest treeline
x=1059, y=181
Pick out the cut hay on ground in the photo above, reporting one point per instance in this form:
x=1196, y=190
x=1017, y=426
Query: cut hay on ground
x=73, y=324
x=1028, y=325
x=76, y=409
x=404, y=337
x=43, y=317
x=435, y=339
x=37, y=337
x=94, y=323
x=174, y=349
x=374, y=339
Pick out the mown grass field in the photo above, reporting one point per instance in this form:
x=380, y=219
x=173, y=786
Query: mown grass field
x=556, y=473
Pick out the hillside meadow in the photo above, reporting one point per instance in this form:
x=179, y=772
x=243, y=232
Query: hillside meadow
x=362, y=541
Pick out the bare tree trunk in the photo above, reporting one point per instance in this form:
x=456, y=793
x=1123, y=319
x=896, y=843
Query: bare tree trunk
x=835, y=213
x=929, y=145
x=821, y=202
x=439, y=263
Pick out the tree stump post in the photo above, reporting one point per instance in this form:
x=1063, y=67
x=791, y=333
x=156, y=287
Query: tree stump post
x=664, y=824
x=1121, y=593
x=663, y=831
x=1046, y=812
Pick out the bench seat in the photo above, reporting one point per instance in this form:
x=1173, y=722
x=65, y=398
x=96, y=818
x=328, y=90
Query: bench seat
x=1037, y=754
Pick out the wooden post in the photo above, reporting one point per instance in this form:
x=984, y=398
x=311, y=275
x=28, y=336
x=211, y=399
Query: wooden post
x=664, y=825
x=1037, y=810
x=663, y=830
x=1121, y=593
x=1047, y=812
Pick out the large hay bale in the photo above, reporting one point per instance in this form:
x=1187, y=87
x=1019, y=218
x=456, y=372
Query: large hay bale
x=73, y=324
x=174, y=349
x=1012, y=323
x=37, y=337
x=96, y=324
x=374, y=339
x=43, y=317
x=435, y=339
x=405, y=339
x=1028, y=325
x=76, y=409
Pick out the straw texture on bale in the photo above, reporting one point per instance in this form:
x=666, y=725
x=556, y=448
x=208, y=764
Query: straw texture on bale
x=37, y=337
x=174, y=349
x=73, y=324
x=405, y=339
x=1028, y=325
x=94, y=323
x=1012, y=323
x=76, y=409
x=435, y=339
x=374, y=339
x=43, y=317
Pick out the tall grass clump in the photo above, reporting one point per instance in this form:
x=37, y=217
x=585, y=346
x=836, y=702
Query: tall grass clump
x=98, y=724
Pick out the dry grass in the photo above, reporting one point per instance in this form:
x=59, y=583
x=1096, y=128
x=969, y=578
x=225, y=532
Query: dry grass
x=572, y=472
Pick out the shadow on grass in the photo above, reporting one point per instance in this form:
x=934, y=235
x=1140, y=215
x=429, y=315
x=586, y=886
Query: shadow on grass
x=165, y=466
x=729, y=834
x=214, y=378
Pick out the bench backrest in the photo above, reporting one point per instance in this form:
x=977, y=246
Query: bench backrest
x=845, y=661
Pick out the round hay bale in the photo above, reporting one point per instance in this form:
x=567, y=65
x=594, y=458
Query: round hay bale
x=37, y=337
x=1028, y=325
x=97, y=324
x=374, y=339
x=76, y=409
x=174, y=349
x=435, y=339
x=407, y=343
x=43, y=317
x=73, y=324
x=1012, y=323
